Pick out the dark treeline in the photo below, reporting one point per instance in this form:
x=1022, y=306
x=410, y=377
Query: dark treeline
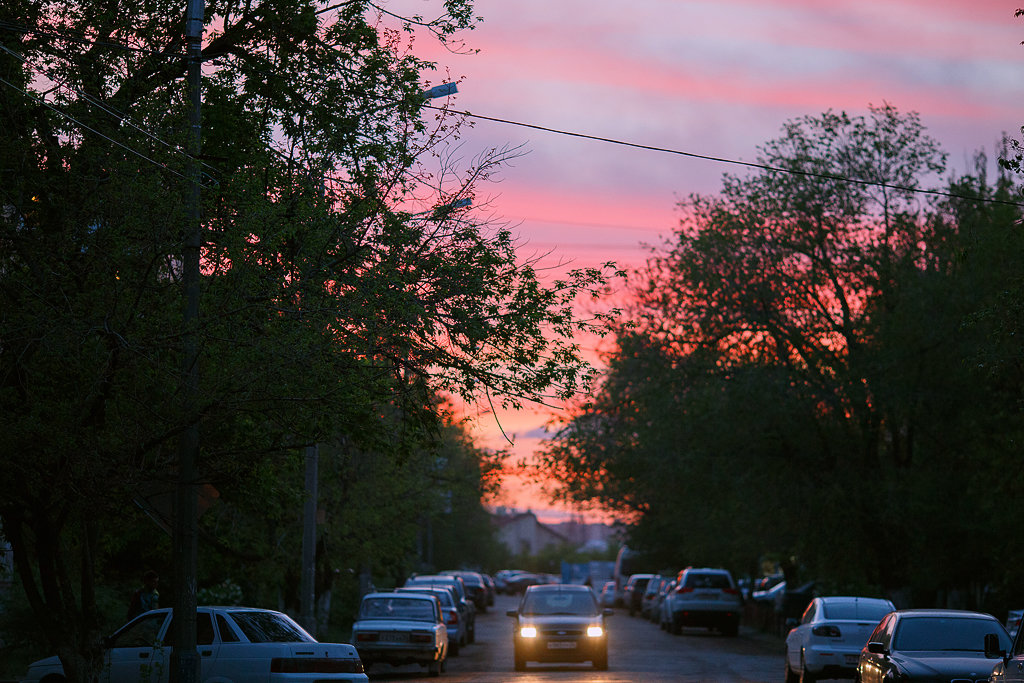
x=825, y=372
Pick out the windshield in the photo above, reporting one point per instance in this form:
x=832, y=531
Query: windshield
x=947, y=634
x=559, y=602
x=397, y=608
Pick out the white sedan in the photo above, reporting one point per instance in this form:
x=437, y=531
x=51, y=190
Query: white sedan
x=234, y=644
x=828, y=640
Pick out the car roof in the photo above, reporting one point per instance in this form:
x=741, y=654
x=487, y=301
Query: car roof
x=948, y=613
x=849, y=599
x=554, y=587
x=410, y=594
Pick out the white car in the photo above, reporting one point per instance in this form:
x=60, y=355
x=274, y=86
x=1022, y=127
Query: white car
x=401, y=628
x=235, y=644
x=704, y=597
x=830, y=636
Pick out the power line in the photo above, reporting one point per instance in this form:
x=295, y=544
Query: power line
x=724, y=160
x=69, y=117
x=121, y=117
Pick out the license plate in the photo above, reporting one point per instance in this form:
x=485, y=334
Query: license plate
x=395, y=637
x=852, y=660
x=562, y=645
x=706, y=596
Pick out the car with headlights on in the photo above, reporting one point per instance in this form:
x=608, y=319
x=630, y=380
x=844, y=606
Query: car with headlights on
x=827, y=641
x=401, y=628
x=932, y=645
x=236, y=644
x=559, y=623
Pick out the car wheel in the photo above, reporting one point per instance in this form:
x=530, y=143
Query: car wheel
x=791, y=676
x=434, y=668
x=520, y=661
x=805, y=675
x=472, y=634
x=601, y=661
x=675, y=626
x=453, y=649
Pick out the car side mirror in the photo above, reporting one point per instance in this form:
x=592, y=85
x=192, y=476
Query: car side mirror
x=607, y=611
x=992, y=649
x=512, y=613
x=876, y=648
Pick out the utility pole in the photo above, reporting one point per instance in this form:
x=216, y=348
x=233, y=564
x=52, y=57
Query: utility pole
x=184, y=658
x=307, y=584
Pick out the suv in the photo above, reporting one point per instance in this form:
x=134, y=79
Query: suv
x=705, y=597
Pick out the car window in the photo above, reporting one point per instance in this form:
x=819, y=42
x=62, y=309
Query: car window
x=559, y=602
x=204, y=630
x=718, y=581
x=269, y=627
x=881, y=633
x=810, y=612
x=397, y=608
x=946, y=634
x=227, y=634
x=866, y=611
x=143, y=632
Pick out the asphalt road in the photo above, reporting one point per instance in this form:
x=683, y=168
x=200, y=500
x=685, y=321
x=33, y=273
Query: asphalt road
x=638, y=651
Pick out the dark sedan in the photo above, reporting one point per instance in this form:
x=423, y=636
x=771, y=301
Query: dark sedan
x=931, y=645
x=559, y=623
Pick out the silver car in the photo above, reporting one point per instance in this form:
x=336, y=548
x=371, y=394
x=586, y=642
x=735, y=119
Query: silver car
x=401, y=628
x=704, y=597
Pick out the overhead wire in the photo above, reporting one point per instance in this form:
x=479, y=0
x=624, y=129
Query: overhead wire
x=725, y=160
x=120, y=116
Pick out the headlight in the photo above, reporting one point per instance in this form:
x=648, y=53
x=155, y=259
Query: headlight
x=528, y=632
x=595, y=631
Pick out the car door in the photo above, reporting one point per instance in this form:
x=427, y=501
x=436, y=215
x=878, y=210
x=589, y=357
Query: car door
x=207, y=648
x=1014, y=669
x=131, y=652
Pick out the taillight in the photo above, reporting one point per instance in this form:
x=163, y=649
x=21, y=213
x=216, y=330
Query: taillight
x=453, y=617
x=422, y=637
x=730, y=591
x=826, y=631
x=681, y=589
x=303, y=665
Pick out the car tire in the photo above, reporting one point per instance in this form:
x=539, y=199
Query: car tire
x=601, y=661
x=805, y=675
x=675, y=626
x=791, y=676
x=520, y=662
x=471, y=638
x=453, y=649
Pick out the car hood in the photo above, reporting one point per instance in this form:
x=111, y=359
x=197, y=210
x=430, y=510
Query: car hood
x=556, y=620
x=946, y=664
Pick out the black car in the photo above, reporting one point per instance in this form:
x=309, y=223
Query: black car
x=931, y=645
x=559, y=623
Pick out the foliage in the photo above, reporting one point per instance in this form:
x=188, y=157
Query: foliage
x=344, y=283
x=800, y=372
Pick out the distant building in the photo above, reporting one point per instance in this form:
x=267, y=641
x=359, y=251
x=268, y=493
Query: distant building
x=523, y=534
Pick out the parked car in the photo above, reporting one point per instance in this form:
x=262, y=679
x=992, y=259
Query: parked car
x=1009, y=666
x=476, y=587
x=664, y=616
x=466, y=607
x=401, y=628
x=827, y=641
x=1013, y=619
x=518, y=583
x=234, y=643
x=648, y=602
x=457, y=635
x=932, y=645
x=633, y=592
x=607, y=595
x=704, y=597
x=491, y=589
x=559, y=623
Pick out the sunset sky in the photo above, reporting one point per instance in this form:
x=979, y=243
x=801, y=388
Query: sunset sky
x=715, y=78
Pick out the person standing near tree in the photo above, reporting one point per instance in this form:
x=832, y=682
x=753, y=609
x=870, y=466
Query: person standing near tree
x=145, y=598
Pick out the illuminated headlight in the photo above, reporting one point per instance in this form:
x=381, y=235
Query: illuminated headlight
x=528, y=632
x=595, y=631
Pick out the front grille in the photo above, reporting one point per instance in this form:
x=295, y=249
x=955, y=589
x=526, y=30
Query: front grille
x=562, y=632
